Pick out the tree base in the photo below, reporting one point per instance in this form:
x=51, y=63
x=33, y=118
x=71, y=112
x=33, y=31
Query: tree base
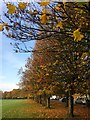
x=70, y=115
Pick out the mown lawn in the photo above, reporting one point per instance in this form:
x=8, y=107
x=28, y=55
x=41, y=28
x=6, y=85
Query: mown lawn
x=18, y=109
x=31, y=109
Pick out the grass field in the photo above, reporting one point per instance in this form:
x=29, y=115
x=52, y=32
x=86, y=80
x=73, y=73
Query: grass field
x=31, y=109
x=19, y=109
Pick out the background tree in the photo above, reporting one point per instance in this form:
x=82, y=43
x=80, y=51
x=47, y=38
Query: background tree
x=38, y=71
x=1, y=93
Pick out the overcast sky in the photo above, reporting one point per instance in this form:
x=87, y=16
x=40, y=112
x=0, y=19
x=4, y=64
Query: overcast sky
x=10, y=62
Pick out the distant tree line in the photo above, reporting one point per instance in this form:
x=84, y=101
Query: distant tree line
x=14, y=94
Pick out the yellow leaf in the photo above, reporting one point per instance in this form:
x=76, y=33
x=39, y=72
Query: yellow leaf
x=11, y=8
x=59, y=25
x=56, y=18
x=58, y=7
x=1, y=27
x=47, y=74
x=44, y=3
x=85, y=54
x=56, y=62
x=43, y=19
x=83, y=62
x=5, y=24
x=77, y=35
x=78, y=77
x=22, y=5
x=35, y=12
x=42, y=66
x=39, y=80
x=44, y=11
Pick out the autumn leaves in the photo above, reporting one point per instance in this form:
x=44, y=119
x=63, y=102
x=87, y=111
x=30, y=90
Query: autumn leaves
x=12, y=9
x=78, y=36
x=44, y=3
x=2, y=26
x=48, y=16
x=43, y=18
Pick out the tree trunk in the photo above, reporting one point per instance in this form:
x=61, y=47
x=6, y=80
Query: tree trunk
x=37, y=99
x=40, y=101
x=67, y=99
x=70, y=105
x=89, y=6
x=44, y=100
x=88, y=95
x=48, y=102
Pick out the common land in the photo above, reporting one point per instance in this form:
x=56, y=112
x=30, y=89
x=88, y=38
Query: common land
x=14, y=108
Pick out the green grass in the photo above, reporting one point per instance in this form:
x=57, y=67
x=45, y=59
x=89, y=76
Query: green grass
x=27, y=109
x=17, y=109
x=30, y=109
